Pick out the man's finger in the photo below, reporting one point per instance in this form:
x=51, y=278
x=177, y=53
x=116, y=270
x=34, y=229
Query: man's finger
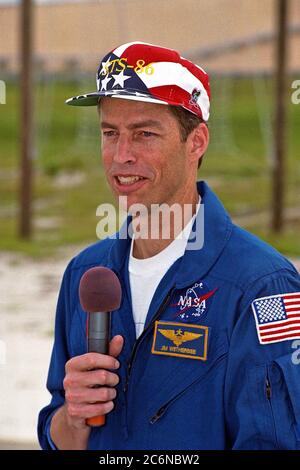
x=116, y=346
x=91, y=361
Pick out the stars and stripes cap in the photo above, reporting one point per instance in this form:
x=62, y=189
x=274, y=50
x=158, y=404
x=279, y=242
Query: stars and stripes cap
x=145, y=72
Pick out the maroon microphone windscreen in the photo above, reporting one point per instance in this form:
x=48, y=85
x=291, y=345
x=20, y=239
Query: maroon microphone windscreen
x=100, y=290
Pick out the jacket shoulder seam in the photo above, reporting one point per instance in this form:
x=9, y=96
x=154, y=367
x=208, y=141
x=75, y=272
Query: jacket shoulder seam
x=250, y=282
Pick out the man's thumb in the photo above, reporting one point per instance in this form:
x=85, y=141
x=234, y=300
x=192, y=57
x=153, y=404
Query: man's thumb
x=116, y=345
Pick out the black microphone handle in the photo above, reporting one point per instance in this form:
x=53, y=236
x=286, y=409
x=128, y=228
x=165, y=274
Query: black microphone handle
x=98, y=332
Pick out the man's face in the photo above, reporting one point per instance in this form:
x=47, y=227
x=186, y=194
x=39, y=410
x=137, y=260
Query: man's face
x=143, y=155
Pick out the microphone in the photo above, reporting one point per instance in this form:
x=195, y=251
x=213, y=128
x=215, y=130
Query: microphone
x=99, y=293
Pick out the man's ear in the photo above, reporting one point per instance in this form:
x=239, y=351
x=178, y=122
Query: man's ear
x=197, y=142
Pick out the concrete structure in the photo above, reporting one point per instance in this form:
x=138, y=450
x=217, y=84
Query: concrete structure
x=224, y=35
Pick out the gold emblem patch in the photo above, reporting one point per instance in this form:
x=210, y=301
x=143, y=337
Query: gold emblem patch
x=169, y=338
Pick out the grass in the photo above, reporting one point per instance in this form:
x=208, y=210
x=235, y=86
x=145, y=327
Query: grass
x=237, y=164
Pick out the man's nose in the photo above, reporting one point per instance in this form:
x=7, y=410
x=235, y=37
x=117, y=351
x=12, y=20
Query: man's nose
x=124, y=150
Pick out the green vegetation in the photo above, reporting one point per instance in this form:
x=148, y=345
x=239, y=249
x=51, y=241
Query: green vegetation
x=70, y=184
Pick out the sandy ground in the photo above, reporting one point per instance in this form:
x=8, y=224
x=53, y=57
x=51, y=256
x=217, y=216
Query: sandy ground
x=28, y=295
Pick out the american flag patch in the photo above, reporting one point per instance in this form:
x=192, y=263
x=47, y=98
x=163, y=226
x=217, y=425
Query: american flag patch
x=277, y=317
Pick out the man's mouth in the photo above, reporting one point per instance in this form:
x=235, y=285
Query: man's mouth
x=128, y=180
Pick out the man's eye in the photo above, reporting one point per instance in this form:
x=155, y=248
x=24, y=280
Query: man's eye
x=147, y=134
x=109, y=133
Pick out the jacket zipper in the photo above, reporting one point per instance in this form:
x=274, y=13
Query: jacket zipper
x=159, y=413
x=268, y=390
x=157, y=314
x=163, y=408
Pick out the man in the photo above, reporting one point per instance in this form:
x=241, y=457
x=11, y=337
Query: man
x=203, y=351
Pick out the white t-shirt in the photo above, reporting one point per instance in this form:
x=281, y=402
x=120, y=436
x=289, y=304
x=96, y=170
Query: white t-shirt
x=145, y=274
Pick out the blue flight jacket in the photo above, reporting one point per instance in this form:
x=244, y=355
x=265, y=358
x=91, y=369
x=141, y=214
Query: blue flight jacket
x=198, y=377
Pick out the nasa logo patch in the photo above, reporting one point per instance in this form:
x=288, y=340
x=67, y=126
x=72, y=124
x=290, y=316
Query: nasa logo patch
x=192, y=303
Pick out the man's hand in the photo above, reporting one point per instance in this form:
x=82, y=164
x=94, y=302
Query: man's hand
x=68, y=427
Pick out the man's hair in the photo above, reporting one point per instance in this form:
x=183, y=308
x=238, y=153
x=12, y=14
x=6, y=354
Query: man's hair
x=187, y=123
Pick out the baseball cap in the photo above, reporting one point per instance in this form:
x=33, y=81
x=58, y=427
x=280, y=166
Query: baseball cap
x=145, y=72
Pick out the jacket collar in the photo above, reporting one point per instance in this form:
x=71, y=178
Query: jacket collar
x=213, y=227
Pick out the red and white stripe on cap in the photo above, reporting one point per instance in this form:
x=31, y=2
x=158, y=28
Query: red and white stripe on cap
x=174, y=79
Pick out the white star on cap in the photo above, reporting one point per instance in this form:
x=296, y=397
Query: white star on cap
x=120, y=79
x=105, y=82
x=103, y=71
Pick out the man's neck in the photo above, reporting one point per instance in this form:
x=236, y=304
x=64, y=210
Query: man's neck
x=156, y=239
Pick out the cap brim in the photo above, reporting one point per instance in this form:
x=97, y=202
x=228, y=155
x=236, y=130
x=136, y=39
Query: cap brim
x=92, y=99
